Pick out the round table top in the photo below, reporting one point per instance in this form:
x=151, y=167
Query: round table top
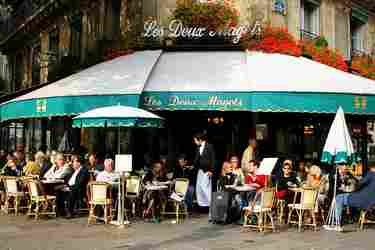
x=156, y=187
x=57, y=181
x=162, y=183
x=244, y=188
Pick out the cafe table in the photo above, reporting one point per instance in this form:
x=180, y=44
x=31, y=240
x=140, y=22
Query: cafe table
x=51, y=185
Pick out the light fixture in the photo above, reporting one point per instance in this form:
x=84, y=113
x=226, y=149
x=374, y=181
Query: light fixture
x=308, y=130
x=215, y=120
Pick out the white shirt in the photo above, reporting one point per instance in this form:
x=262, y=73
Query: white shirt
x=201, y=148
x=58, y=173
x=72, y=179
x=107, y=177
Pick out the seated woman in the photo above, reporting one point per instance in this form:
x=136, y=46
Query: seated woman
x=227, y=177
x=236, y=168
x=315, y=179
x=11, y=169
x=363, y=198
x=302, y=172
x=287, y=180
x=154, y=199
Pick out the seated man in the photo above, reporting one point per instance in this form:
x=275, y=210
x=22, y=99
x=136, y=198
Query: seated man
x=182, y=170
x=60, y=171
x=153, y=199
x=364, y=198
x=109, y=176
x=75, y=191
x=251, y=178
x=346, y=182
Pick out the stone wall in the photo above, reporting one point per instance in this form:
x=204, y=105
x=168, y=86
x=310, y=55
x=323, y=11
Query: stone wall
x=371, y=35
x=327, y=21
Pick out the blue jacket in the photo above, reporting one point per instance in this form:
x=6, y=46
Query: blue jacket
x=365, y=196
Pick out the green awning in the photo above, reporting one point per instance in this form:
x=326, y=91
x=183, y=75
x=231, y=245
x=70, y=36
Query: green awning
x=118, y=81
x=258, y=82
x=259, y=102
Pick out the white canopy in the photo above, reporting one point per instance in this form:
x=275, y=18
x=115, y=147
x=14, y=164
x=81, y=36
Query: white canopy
x=251, y=72
x=121, y=76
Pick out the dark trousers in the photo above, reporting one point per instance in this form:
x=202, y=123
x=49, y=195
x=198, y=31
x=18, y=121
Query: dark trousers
x=67, y=201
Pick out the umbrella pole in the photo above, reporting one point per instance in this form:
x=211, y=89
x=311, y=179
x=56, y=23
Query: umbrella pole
x=333, y=219
x=121, y=190
x=118, y=141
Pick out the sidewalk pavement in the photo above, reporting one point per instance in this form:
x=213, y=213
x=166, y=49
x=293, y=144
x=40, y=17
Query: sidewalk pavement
x=18, y=233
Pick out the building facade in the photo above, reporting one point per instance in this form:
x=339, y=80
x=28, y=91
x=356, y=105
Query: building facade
x=50, y=40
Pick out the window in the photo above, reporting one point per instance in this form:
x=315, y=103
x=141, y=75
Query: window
x=18, y=72
x=357, y=36
x=112, y=20
x=76, y=36
x=53, y=54
x=310, y=15
x=36, y=64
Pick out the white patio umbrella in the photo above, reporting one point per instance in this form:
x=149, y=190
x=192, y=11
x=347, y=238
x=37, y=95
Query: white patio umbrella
x=337, y=149
x=118, y=116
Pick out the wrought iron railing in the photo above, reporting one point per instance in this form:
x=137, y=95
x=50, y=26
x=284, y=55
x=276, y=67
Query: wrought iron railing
x=307, y=35
x=24, y=11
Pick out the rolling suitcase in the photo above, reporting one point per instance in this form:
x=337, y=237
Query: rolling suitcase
x=220, y=203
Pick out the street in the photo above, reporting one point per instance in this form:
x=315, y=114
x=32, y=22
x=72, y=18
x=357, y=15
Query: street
x=23, y=233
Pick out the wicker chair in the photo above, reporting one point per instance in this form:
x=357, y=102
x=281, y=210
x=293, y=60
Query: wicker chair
x=13, y=195
x=178, y=199
x=100, y=196
x=44, y=204
x=261, y=210
x=362, y=218
x=133, y=188
x=308, y=203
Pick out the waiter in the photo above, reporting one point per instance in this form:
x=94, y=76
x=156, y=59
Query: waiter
x=204, y=162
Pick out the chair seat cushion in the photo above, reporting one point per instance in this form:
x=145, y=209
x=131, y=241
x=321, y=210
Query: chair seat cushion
x=257, y=209
x=16, y=194
x=298, y=206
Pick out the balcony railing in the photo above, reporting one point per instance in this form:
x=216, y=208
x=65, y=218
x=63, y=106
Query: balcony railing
x=24, y=11
x=307, y=35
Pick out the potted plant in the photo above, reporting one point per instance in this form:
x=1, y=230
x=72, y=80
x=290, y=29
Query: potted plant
x=216, y=17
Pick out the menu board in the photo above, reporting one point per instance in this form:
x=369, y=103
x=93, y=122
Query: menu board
x=124, y=163
x=266, y=166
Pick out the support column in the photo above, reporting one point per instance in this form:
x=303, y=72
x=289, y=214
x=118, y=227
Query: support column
x=293, y=17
